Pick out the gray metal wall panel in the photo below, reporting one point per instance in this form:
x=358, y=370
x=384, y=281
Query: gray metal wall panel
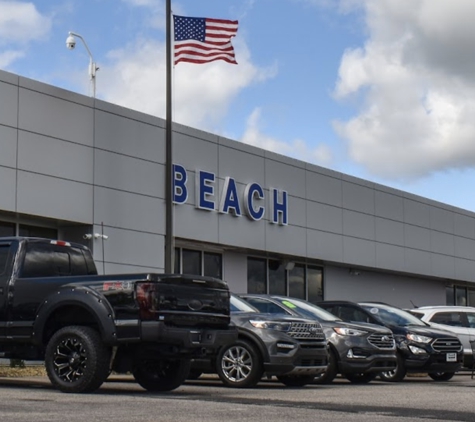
x=195, y=153
x=358, y=225
x=324, y=246
x=378, y=286
x=389, y=231
x=289, y=240
x=389, y=256
x=54, y=157
x=359, y=252
x=129, y=211
x=290, y=178
x=464, y=225
x=442, y=243
x=417, y=262
x=464, y=269
x=443, y=265
x=388, y=206
x=324, y=217
x=242, y=166
x=8, y=189
x=442, y=220
x=128, y=247
x=324, y=189
x=129, y=137
x=129, y=174
x=9, y=104
x=416, y=213
x=8, y=146
x=192, y=223
x=55, y=117
x=417, y=237
x=358, y=198
x=55, y=198
x=464, y=248
x=241, y=232
x=297, y=211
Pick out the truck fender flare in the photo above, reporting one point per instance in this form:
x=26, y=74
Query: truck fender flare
x=89, y=299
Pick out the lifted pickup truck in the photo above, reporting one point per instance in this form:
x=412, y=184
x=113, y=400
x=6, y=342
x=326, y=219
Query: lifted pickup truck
x=55, y=308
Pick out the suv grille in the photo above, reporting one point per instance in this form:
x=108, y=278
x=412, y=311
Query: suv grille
x=382, y=341
x=305, y=331
x=448, y=344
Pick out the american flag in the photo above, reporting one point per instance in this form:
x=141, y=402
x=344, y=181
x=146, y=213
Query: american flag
x=203, y=40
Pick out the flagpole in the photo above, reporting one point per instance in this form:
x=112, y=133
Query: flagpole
x=169, y=239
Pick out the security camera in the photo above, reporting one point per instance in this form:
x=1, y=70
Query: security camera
x=71, y=42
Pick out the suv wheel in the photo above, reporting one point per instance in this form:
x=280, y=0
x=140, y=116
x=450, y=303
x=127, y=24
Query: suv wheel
x=441, y=376
x=397, y=374
x=239, y=365
x=330, y=373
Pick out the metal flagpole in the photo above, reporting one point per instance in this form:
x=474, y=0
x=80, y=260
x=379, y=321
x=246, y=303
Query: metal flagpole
x=169, y=239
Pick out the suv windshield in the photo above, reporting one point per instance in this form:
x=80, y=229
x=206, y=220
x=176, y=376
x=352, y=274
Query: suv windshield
x=307, y=309
x=240, y=305
x=392, y=316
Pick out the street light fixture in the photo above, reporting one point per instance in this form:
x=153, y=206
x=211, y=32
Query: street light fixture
x=71, y=44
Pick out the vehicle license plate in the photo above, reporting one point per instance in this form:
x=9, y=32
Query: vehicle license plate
x=451, y=357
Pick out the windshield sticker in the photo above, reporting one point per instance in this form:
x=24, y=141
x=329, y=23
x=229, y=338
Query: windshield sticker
x=288, y=304
x=374, y=310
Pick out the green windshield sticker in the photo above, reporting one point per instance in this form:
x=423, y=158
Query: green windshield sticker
x=288, y=304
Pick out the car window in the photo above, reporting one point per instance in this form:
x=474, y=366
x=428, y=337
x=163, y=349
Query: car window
x=350, y=313
x=307, y=309
x=391, y=315
x=240, y=305
x=471, y=320
x=265, y=306
x=453, y=319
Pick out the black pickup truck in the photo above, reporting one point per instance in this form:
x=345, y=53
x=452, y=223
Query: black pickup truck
x=55, y=308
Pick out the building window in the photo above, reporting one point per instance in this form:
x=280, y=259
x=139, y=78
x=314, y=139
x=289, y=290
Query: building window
x=297, y=282
x=213, y=264
x=256, y=275
x=314, y=284
x=471, y=297
x=7, y=229
x=450, y=295
x=277, y=278
x=190, y=261
x=35, y=231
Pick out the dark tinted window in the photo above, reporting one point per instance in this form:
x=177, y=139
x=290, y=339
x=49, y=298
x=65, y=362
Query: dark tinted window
x=4, y=253
x=256, y=275
x=297, y=282
x=471, y=320
x=44, y=260
x=277, y=277
x=7, y=229
x=265, y=306
x=448, y=318
x=350, y=313
x=191, y=262
x=213, y=265
x=315, y=284
x=35, y=231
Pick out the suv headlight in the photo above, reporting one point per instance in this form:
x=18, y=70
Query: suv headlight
x=418, y=338
x=271, y=325
x=344, y=331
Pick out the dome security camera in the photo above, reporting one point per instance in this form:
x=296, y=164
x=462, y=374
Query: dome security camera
x=71, y=42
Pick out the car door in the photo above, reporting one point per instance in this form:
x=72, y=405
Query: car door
x=454, y=322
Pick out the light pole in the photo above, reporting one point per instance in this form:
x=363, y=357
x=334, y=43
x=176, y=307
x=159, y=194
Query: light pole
x=71, y=44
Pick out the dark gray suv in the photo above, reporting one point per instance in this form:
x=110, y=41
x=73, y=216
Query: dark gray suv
x=357, y=351
x=292, y=348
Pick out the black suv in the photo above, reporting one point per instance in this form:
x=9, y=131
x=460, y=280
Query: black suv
x=357, y=351
x=291, y=348
x=421, y=348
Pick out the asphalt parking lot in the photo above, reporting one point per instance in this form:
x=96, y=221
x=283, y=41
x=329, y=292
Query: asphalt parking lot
x=120, y=399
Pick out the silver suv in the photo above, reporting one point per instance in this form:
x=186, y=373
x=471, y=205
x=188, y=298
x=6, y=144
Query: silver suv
x=460, y=320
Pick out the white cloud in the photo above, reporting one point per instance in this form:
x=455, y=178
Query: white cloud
x=21, y=23
x=201, y=93
x=414, y=83
x=297, y=148
x=8, y=57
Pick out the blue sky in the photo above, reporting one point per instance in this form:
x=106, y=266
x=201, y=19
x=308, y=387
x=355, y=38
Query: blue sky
x=379, y=89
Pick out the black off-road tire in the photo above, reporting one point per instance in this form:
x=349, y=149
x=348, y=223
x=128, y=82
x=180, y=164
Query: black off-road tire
x=331, y=372
x=441, y=376
x=239, y=365
x=296, y=380
x=361, y=378
x=397, y=374
x=76, y=360
x=161, y=375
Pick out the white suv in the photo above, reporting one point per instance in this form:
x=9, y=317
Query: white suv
x=460, y=320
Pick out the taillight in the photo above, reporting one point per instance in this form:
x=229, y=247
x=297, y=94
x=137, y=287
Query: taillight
x=145, y=295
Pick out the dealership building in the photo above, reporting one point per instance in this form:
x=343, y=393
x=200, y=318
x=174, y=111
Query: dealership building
x=80, y=169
